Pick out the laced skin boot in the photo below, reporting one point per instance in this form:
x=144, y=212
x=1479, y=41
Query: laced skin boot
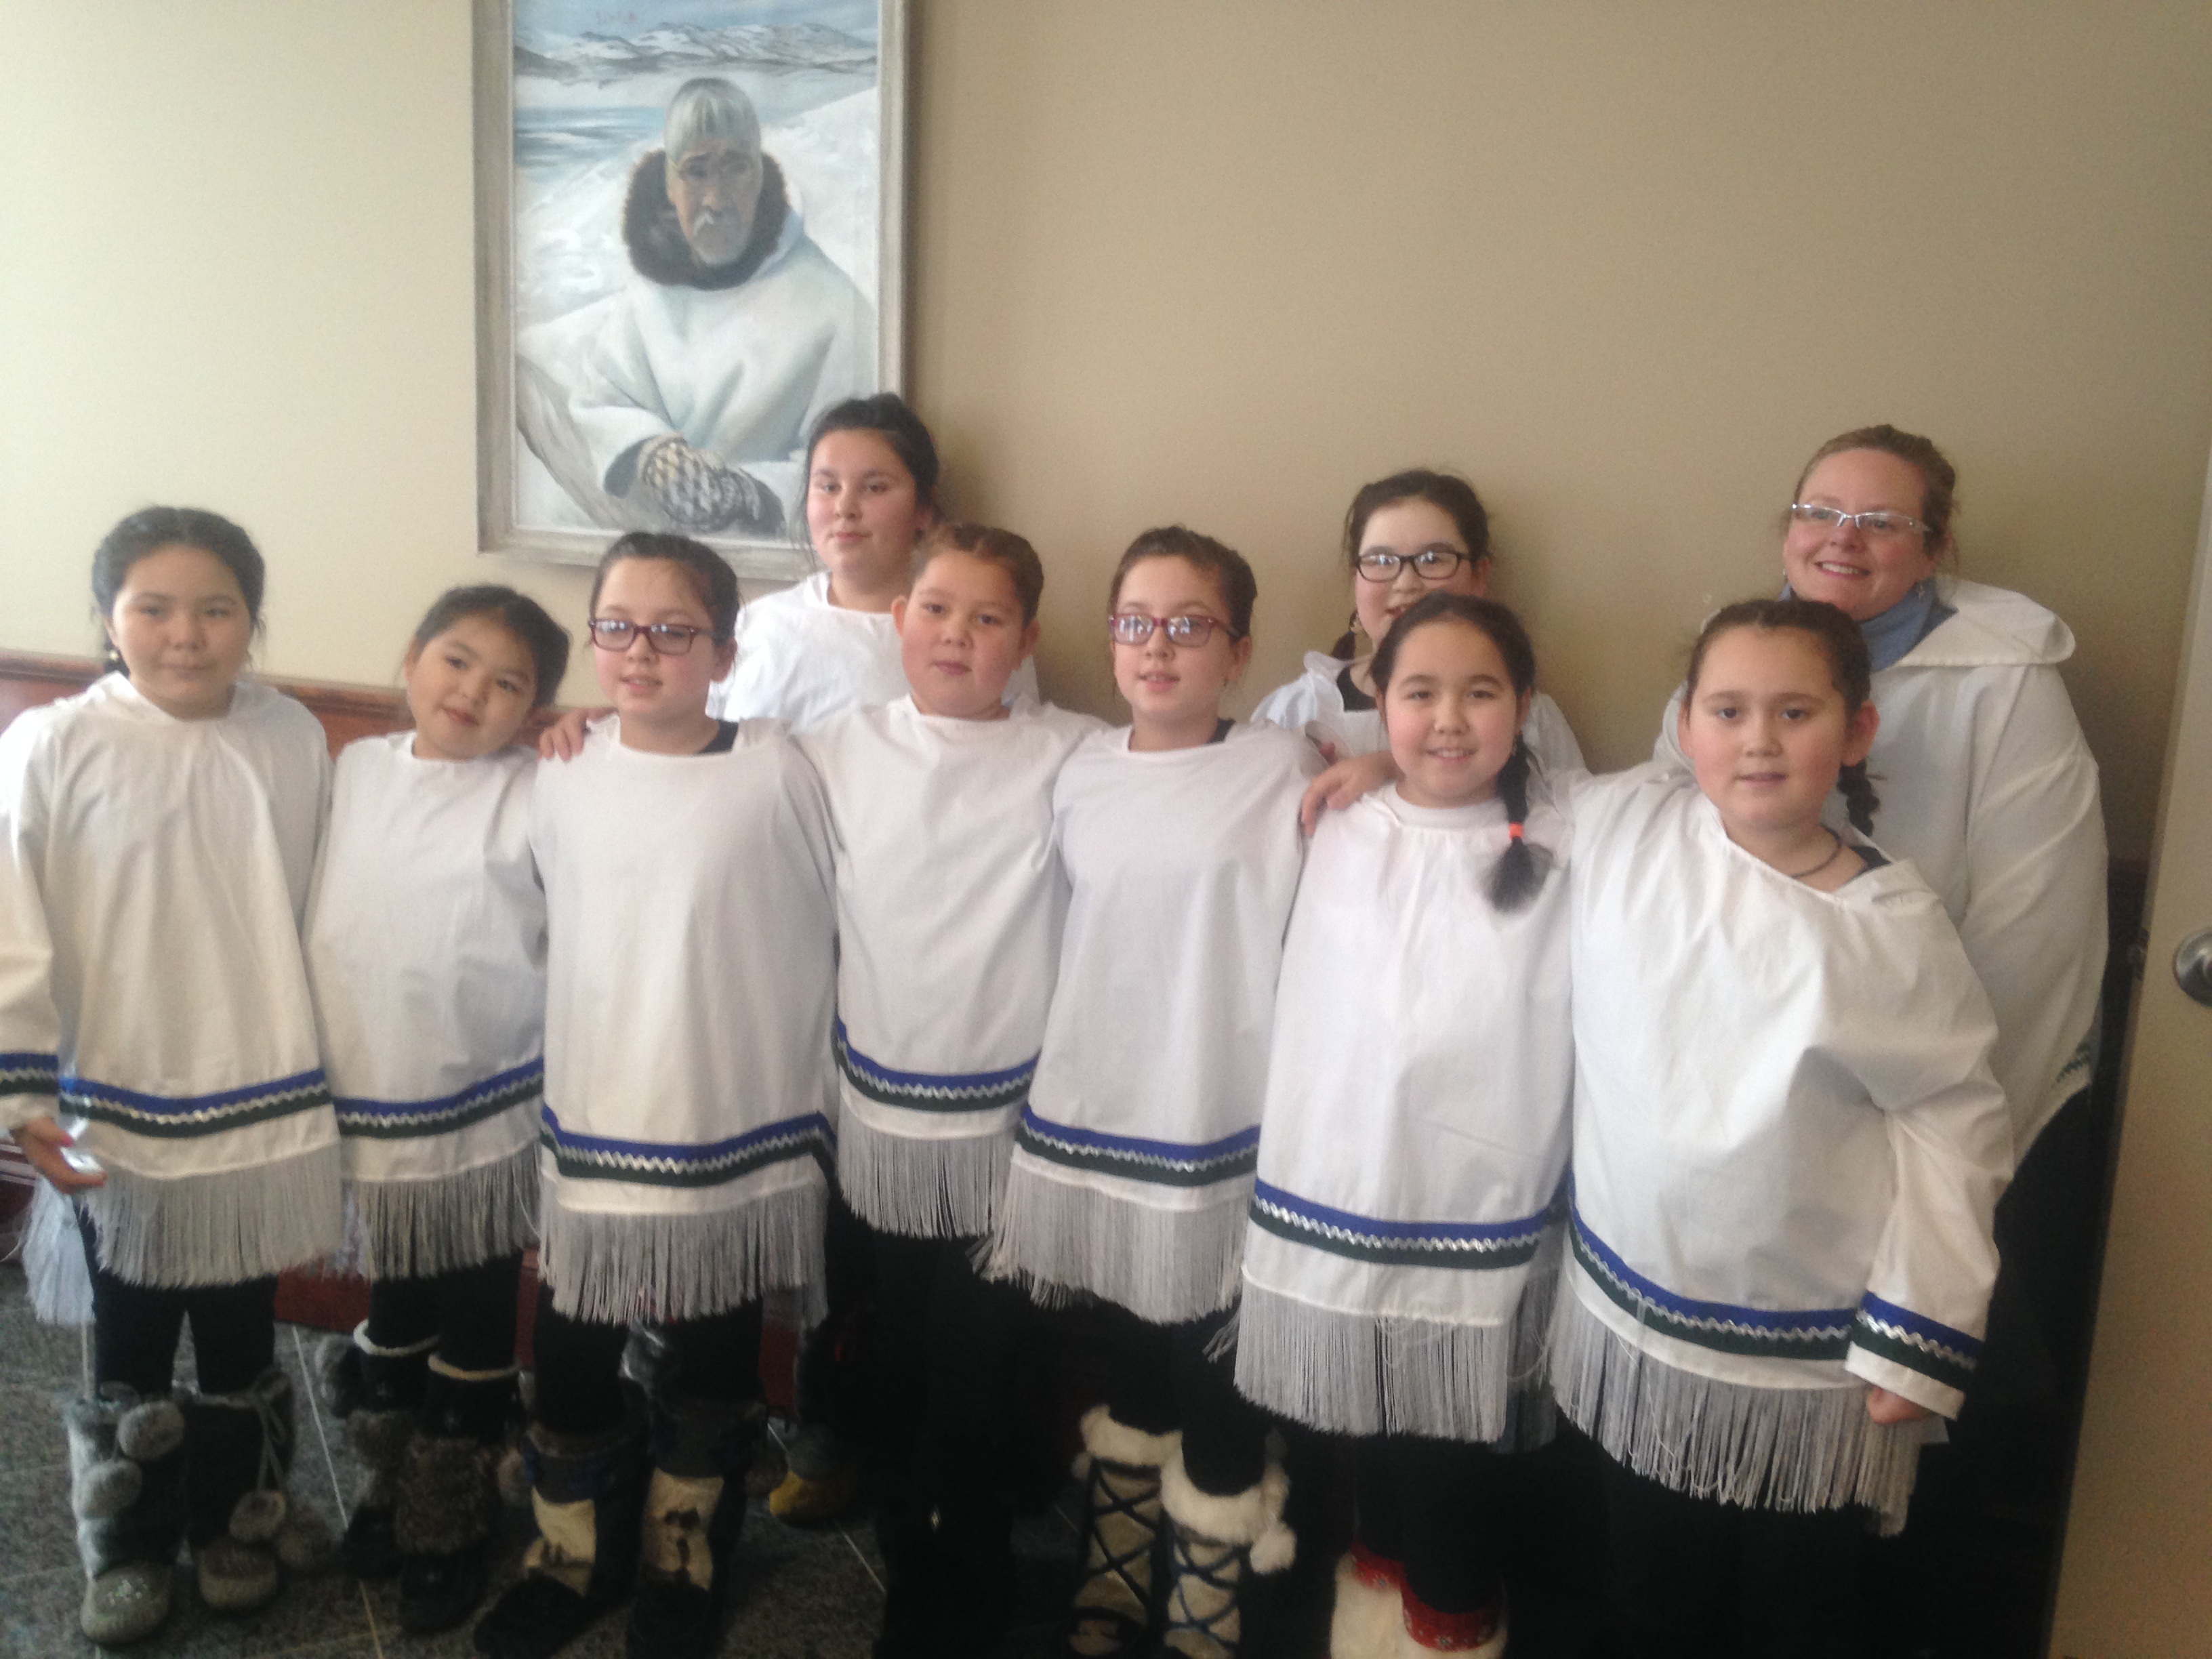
x=447, y=1503
x=127, y=1490
x=1218, y=1546
x=694, y=1509
x=376, y=1394
x=244, y=1531
x=586, y=1491
x=1115, y=1609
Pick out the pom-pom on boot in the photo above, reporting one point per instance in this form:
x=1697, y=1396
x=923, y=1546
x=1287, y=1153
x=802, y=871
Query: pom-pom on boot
x=1116, y=1606
x=244, y=1532
x=1217, y=1546
x=447, y=1501
x=376, y=1393
x=694, y=1509
x=127, y=1490
x=586, y=1491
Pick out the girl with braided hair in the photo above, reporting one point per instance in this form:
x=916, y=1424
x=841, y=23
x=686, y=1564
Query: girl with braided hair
x=1403, y=1243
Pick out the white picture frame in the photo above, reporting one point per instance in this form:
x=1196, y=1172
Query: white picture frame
x=566, y=116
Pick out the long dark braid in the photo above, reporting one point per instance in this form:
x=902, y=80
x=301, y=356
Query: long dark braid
x=1860, y=801
x=1518, y=875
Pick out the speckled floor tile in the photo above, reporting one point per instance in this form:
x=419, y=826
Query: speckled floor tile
x=35, y=1518
x=31, y=1436
x=33, y=1354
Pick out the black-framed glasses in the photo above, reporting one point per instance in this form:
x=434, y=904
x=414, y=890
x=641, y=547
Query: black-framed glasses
x=1431, y=564
x=667, y=639
x=1134, y=628
x=1829, y=519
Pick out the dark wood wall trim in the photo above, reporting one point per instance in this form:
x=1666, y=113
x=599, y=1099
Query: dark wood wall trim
x=347, y=712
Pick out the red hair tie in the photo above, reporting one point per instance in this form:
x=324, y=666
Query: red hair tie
x=1513, y=830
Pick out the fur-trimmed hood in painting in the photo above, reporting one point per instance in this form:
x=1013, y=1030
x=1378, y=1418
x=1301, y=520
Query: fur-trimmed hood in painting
x=737, y=360
x=654, y=236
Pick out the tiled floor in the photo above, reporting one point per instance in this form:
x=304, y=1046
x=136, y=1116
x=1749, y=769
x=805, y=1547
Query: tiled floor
x=805, y=1595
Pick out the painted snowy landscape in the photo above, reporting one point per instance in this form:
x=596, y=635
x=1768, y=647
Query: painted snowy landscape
x=592, y=84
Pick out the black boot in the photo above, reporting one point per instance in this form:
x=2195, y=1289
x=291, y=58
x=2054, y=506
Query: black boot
x=127, y=1488
x=695, y=1508
x=587, y=1492
x=447, y=1508
x=376, y=1393
x=241, y=1527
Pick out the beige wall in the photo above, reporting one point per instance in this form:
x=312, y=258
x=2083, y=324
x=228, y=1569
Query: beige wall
x=1624, y=264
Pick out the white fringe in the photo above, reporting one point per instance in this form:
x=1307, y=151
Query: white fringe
x=608, y=1268
x=419, y=1229
x=220, y=1229
x=1060, y=1239
x=53, y=1257
x=1534, y=1422
x=1776, y=1448
x=1356, y=1373
x=922, y=1189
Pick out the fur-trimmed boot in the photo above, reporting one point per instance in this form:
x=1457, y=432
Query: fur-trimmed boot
x=447, y=1504
x=1217, y=1546
x=375, y=1393
x=695, y=1508
x=1369, y=1617
x=242, y=1528
x=1423, y=1630
x=127, y=1489
x=1379, y=1617
x=585, y=1490
x=1115, y=1610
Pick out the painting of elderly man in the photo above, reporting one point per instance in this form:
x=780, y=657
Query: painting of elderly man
x=696, y=208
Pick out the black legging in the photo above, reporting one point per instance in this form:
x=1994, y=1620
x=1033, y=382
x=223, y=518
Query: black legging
x=469, y=1310
x=942, y=1368
x=1433, y=1505
x=1693, y=1576
x=1159, y=1379
x=135, y=1329
x=579, y=1363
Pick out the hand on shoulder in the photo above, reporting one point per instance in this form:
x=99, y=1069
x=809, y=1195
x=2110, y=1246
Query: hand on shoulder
x=563, y=739
x=1345, y=782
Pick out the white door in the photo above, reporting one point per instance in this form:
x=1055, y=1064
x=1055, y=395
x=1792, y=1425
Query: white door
x=2136, y=1578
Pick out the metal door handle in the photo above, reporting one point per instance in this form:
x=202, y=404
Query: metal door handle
x=2192, y=965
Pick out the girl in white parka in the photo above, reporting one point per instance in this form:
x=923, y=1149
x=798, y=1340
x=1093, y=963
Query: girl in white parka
x=1414, y=532
x=1132, y=1162
x=1404, y=1239
x=426, y=949
x=157, y=1058
x=1788, y=1145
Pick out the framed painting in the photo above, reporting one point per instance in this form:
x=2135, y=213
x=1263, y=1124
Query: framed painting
x=690, y=236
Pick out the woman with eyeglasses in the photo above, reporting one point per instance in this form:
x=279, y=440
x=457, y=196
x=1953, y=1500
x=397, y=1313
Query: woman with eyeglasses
x=1414, y=532
x=1988, y=788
